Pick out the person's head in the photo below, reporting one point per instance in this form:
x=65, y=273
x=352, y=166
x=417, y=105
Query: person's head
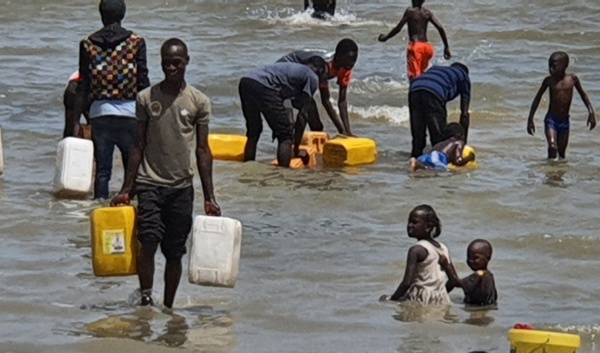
x=558, y=63
x=346, y=54
x=461, y=66
x=112, y=11
x=479, y=253
x=417, y=3
x=423, y=223
x=174, y=59
x=454, y=130
x=319, y=66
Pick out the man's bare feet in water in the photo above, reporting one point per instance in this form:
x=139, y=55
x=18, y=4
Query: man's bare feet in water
x=147, y=298
x=413, y=164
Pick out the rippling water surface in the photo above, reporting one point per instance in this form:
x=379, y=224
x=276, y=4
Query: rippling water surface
x=320, y=246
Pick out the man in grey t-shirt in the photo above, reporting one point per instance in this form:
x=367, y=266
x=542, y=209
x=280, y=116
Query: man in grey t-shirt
x=263, y=90
x=170, y=115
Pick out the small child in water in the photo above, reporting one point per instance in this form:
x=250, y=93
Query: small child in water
x=479, y=287
x=424, y=281
x=448, y=151
x=561, y=95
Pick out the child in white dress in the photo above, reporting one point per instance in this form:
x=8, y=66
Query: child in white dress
x=424, y=280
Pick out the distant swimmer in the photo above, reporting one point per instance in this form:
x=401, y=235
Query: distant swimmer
x=443, y=153
x=419, y=51
x=561, y=95
x=263, y=91
x=322, y=8
x=427, y=98
x=424, y=279
x=340, y=67
x=479, y=287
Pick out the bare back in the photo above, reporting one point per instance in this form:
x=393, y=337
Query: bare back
x=561, y=95
x=452, y=148
x=417, y=19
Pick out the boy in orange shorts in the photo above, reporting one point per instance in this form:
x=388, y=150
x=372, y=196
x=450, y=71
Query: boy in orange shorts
x=419, y=51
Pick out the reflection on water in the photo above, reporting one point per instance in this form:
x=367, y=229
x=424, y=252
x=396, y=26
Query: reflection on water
x=202, y=327
x=416, y=312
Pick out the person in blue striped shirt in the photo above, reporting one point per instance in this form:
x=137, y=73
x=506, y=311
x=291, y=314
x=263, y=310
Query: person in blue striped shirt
x=427, y=98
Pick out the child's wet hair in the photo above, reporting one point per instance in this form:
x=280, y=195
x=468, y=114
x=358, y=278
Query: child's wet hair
x=174, y=42
x=453, y=130
x=345, y=47
x=417, y=3
x=486, y=245
x=432, y=219
x=560, y=56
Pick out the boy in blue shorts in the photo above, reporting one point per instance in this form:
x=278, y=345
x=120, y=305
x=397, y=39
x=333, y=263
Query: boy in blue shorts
x=443, y=153
x=561, y=94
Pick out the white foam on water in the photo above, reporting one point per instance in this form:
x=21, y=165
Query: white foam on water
x=294, y=17
x=378, y=84
x=394, y=115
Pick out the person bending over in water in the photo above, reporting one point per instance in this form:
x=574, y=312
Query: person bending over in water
x=419, y=51
x=340, y=67
x=424, y=281
x=479, y=287
x=322, y=8
x=561, y=94
x=448, y=151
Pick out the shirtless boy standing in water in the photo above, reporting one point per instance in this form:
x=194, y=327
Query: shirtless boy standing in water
x=419, y=51
x=561, y=94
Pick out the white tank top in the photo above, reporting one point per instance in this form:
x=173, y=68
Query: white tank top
x=430, y=285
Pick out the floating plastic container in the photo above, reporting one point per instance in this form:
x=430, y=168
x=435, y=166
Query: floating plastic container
x=527, y=341
x=1, y=154
x=227, y=147
x=114, y=241
x=349, y=151
x=315, y=139
x=297, y=163
x=74, y=167
x=471, y=165
x=215, y=254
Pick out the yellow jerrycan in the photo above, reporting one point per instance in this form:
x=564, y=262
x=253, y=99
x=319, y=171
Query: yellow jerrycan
x=114, y=241
x=227, y=147
x=349, y=151
x=527, y=341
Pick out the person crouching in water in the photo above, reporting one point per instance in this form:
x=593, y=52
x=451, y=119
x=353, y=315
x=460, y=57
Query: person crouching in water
x=263, y=91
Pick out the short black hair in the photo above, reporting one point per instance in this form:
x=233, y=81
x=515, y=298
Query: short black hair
x=486, y=244
x=453, y=130
x=461, y=66
x=174, y=42
x=560, y=55
x=112, y=11
x=432, y=219
x=345, y=47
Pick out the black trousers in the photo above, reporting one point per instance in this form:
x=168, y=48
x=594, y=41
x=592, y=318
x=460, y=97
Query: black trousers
x=427, y=112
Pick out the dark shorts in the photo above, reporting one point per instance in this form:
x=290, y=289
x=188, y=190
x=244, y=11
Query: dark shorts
x=165, y=217
x=256, y=100
x=557, y=124
x=427, y=113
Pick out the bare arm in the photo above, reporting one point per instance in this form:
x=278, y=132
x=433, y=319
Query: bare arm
x=325, y=100
x=396, y=30
x=534, y=105
x=448, y=267
x=591, y=122
x=416, y=254
x=465, y=118
x=135, y=159
x=204, y=160
x=442, y=32
x=343, y=107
